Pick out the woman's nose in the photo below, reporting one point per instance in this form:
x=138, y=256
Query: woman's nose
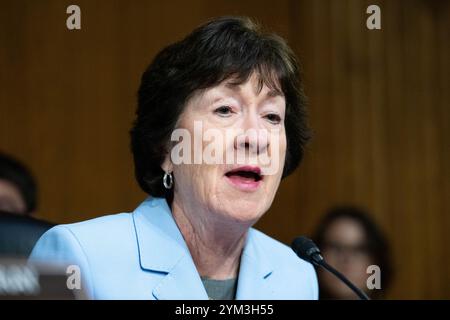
x=254, y=139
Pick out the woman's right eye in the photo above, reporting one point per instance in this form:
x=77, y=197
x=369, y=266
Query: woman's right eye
x=224, y=111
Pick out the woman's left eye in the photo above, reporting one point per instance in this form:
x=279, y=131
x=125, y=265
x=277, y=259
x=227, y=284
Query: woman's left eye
x=273, y=118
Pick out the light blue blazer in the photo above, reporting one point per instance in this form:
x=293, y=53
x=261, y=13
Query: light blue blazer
x=143, y=255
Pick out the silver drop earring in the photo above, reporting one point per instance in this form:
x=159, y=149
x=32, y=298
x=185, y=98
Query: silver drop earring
x=168, y=180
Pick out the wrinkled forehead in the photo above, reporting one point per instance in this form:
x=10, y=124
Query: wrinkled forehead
x=266, y=81
x=259, y=84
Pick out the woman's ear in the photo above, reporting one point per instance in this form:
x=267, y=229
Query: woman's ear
x=167, y=164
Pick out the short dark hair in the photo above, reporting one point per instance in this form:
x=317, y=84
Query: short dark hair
x=216, y=51
x=15, y=172
x=376, y=243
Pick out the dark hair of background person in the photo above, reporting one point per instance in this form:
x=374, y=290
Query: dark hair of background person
x=376, y=243
x=16, y=173
x=222, y=49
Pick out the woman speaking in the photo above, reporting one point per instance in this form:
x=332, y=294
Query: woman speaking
x=220, y=121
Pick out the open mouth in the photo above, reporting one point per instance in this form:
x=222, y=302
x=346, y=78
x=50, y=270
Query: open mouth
x=247, y=174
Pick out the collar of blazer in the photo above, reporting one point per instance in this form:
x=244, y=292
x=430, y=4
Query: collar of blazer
x=162, y=249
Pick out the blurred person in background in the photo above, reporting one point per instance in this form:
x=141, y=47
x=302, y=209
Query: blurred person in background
x=17, y=187
x=350, y=241
x=19, y=231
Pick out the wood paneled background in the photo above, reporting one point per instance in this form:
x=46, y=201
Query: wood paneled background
x=379, y=108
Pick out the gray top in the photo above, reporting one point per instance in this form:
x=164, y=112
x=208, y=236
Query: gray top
x=220, y=289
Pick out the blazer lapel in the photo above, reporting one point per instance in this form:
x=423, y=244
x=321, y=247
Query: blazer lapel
x=182, y=283
x=254, y=280
x=162, y=249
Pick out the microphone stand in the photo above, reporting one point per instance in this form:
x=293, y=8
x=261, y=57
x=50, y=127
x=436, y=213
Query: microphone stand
x=361, y=294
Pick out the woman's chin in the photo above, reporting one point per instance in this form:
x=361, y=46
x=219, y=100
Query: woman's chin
x=242, y=210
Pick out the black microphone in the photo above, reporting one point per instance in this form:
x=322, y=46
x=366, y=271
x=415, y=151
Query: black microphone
x=307, y=250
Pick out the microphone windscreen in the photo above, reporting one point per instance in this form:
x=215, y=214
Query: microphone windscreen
x=304, y=248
